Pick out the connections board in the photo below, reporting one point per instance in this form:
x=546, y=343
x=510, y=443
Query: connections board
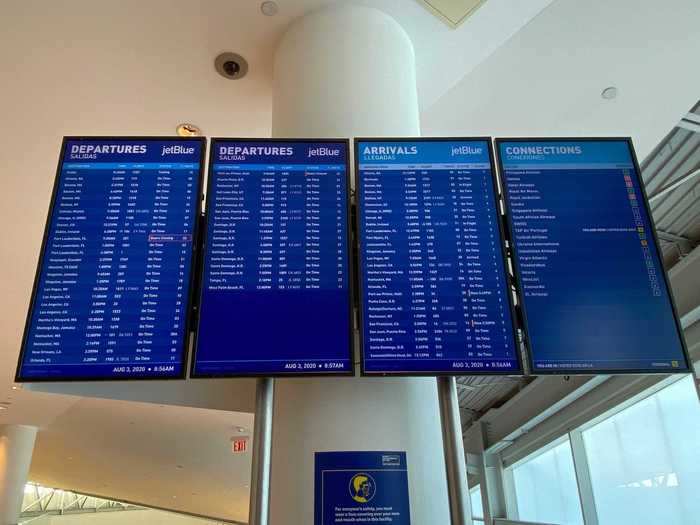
x=595, y=294
x=111, y=297
x=434, y=294
x=275, y=292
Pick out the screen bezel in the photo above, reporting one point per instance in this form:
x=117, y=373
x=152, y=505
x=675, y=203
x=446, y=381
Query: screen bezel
x=197, y=211
x=504, y=258
x=344, y=373
x=521, y=296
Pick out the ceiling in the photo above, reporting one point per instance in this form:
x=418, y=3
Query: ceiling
x=547, y=80
x=677, y=211
x=169, y=457
x=134, y=67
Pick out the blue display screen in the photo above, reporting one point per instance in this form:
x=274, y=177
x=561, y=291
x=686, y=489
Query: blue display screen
x=434, y=293
x=275, y=293
x=594, y=290
x=112, y=293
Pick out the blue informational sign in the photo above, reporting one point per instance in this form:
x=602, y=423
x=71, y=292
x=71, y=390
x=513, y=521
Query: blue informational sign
x=595, y=294
x=361, y=488
x=434, y=290
x=112, y=292
x=275, y=291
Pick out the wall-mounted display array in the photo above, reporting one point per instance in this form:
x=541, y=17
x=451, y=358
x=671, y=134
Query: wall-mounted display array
x=276, y=287
x=111, y=298
x=433, y=284
x=594, y=290
x=439, y=274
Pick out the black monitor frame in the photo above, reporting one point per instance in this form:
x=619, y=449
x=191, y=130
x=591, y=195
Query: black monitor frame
x=47, y=227
x=507, y=280
x=521, y=296
x=348, y=243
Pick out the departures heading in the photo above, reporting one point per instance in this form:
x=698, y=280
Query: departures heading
x=456, y=267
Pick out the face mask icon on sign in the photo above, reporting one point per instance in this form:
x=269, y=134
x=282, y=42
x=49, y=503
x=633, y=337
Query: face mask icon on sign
x=362, y=488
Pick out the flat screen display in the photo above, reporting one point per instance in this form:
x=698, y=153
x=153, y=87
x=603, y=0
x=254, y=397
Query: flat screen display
x=112, y=292
x=275, y=292
x=595, y=293
x=434, y=291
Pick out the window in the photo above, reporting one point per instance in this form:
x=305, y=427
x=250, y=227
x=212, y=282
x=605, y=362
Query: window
x=477, y=505
x=545, y=487
x=644, y=461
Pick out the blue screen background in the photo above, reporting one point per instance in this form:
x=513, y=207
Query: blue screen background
x=433, y=284
x=598, y=300
x=262, y=314
x=113, y=288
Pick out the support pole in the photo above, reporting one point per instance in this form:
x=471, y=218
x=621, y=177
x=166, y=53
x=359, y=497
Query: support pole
x=259, y=513
x=455, y=462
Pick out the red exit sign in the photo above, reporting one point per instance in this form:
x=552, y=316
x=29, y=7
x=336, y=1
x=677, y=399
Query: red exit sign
x=239, y=445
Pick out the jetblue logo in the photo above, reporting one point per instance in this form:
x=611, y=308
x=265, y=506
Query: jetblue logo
x=466, y=150
x=177, y=150
x=324, y=151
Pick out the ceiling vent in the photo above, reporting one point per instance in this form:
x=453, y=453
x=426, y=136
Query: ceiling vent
x=452, y=12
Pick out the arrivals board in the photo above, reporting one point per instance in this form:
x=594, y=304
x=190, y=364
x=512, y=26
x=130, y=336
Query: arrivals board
x=434, y=290
x=112, y=291
x=595, y=294
x=275, y=291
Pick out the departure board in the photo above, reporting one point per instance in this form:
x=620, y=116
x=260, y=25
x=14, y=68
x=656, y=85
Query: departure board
x=112, y=290
x=595, y=294
x=275, y=293
x=434, y=289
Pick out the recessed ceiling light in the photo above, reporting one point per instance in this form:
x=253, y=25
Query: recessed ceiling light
x=3, y=408
x=188, y=130
x=269, y=8
x=15, y=387
x=609, y=93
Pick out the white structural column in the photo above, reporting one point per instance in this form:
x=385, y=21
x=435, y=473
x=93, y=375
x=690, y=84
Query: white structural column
x=16, y=448
x=344, y=72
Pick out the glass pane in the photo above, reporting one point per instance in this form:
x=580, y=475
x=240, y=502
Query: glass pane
x=546, y=489
x=645, y=460
x=477, y=506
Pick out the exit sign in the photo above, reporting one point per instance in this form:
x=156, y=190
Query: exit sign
x=239, y=445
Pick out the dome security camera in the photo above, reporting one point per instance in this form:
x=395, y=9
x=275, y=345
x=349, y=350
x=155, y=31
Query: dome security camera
x=231, y=66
